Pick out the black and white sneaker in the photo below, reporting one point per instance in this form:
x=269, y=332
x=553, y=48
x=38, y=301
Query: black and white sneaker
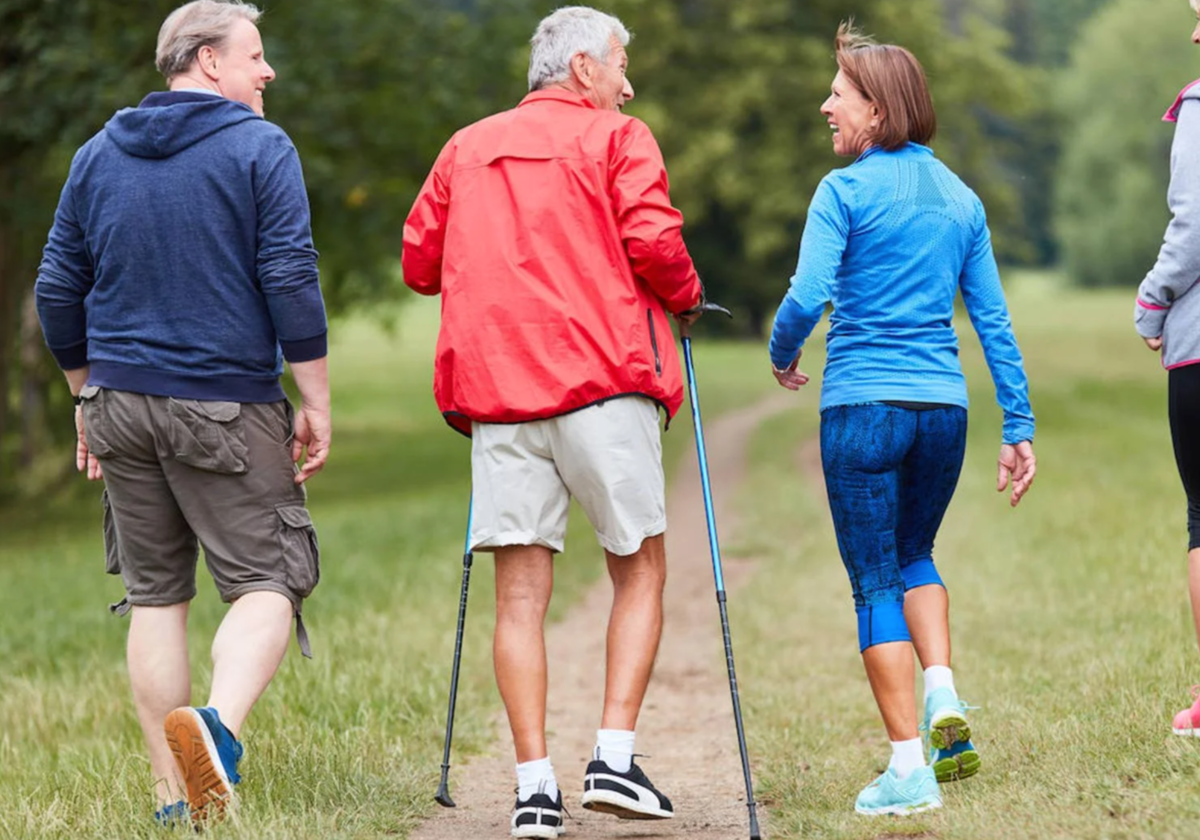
x=538, y=816
x=629, y=796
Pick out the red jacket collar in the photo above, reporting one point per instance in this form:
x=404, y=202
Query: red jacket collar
x=556, y=95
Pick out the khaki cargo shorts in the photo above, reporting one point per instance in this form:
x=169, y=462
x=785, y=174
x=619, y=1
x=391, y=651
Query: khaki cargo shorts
x=608, y=456
x=185, y=474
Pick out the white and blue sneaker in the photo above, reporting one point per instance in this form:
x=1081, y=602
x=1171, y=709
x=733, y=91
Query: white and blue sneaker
x=951, y=753
x=629, y=796
x=889, y=794
x=538, y=816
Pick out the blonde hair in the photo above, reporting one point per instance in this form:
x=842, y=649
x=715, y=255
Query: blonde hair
x=201, y=23
x=892, y=78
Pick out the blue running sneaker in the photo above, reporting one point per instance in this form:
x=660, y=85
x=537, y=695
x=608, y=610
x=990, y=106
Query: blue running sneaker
x=951, y=753
x=207, y=755
x=889, y=794
x=174, y=814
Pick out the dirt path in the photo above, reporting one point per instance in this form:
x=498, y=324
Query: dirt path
x=686, y=725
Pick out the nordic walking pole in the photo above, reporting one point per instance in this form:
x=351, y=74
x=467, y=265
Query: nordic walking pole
x=443, y=792
x=715, y=550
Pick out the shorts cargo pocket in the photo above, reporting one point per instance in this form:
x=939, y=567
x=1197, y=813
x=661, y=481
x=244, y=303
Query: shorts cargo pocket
x=301, y=553
x=94, y=428
x=208, y=435
x=112, y=549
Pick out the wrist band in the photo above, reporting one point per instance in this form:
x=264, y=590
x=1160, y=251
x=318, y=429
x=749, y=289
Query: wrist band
x=78, y=399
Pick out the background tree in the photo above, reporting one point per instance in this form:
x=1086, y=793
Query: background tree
x=1130, y=61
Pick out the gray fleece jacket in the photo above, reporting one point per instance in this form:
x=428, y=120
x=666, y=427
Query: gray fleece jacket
x=1168, y=303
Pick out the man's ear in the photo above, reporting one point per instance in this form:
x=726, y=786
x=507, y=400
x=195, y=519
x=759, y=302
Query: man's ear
x=581, y=68
x=206, y=60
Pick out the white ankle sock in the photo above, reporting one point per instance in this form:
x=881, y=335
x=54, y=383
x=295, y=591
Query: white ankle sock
x=938, y=676
x=907, y=756
x=615, y=748
x=536, y=777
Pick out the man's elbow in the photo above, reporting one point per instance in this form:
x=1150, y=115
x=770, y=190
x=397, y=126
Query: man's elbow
x=423, y=278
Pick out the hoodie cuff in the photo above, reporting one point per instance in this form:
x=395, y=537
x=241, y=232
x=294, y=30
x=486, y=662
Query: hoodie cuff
x=306, y=350
x=71, y=358
x=1148, y=319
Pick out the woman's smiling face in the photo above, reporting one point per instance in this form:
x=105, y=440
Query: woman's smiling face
x=851, y=116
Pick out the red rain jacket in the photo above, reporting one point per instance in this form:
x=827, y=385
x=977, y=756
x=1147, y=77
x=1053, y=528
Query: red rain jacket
x=549, y=233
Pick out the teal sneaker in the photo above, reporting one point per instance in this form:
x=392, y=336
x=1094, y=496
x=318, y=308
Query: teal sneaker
x=889, y=794
x=951, y=753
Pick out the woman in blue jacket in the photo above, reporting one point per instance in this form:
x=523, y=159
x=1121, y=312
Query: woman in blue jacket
x=890, y=241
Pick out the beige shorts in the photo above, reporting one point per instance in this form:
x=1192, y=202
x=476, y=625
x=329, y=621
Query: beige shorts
x=608, y=456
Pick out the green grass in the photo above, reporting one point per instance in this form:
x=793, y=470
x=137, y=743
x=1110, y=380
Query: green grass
x=1069, y=615
x=349, y=744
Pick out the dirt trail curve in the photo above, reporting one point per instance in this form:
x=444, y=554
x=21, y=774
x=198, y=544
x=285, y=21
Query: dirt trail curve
x=686, y=725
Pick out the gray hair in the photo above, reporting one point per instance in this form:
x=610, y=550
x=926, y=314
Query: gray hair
x=201, y=23
x=567, y=32
x=1195, y=5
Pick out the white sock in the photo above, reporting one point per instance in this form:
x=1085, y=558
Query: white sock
x=907, y=756
x=536, y=777
x=615, y=748
x=938, y=676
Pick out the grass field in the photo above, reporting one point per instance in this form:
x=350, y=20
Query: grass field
x=349, y=744
x=1070, y=617
x=1069, y=614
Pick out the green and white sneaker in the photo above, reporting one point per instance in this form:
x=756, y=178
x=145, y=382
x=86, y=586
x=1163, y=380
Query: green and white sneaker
x=951, y=753
x=889, y=794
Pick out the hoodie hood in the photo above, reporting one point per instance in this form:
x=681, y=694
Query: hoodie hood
x=1191, y=91
x=165, y=124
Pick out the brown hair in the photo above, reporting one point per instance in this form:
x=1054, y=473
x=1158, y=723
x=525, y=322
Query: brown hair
x=892, y=78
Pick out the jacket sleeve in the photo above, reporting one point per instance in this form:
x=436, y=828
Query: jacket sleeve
x=1178, y=266
x=287, y=261
x=425, y=228
x=822, y=247
x=65, y=277
x=984, y=298
x=649, y=226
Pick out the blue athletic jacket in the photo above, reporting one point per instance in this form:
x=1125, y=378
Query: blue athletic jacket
x=890, y=241
x=181, y=261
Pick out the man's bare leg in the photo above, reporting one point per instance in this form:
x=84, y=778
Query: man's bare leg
x=160, y=676
x=246, y=652
x=634, y=629
x=524, y=581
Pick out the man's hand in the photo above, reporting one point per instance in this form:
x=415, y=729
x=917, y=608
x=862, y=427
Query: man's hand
x=1016, y=463
x=790, y=377
x=311, y=436
x=1154, y=344
x=85, y=461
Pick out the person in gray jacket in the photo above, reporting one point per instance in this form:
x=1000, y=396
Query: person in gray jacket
x=1167, y=317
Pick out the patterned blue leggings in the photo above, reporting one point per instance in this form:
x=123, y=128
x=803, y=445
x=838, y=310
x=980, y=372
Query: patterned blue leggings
x=890, y=473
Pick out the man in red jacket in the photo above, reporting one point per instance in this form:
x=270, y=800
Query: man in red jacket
x=549, y=233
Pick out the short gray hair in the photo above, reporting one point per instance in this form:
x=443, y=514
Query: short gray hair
x=566, y=32
x=201, y=23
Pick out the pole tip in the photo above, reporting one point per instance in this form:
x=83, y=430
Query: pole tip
x=442, y=797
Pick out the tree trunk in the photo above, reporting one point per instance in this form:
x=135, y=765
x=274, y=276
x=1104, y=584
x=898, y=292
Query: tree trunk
x=33, y=384
x=7, y=341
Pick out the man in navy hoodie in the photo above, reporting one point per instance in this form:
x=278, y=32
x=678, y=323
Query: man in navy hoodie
x=179, y=274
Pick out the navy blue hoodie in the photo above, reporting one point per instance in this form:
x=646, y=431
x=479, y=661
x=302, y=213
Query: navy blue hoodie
x=181, y=261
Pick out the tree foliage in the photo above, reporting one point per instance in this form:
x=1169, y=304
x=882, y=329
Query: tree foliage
x=369, y=90
x=1126, y=68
